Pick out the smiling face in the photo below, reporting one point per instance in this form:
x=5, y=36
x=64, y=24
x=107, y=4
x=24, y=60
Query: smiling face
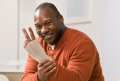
x=48, y=26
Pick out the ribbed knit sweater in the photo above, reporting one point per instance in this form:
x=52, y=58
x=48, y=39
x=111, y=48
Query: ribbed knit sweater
x=76, y=56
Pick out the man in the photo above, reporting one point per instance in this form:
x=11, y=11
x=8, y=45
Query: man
x=75, y=57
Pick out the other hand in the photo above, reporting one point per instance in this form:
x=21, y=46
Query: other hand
x=45, y=68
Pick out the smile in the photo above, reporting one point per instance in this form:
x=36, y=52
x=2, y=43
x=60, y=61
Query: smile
x=48, y=36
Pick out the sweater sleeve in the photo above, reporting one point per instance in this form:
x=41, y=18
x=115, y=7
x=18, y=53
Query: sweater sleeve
x=30, y=73
x=80, y=65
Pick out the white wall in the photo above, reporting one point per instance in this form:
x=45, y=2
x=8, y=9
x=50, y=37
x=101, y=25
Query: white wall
x=26, y=14
x=111, y=39
x=8, y=29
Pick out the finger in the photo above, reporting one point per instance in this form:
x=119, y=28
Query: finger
x=31, y=33
x=47, y=67
x=26, y=42
x=42, y=63
x=24, y=46
x=51, y=71
x=26, y=34
x=41, y=66
x=51, y=66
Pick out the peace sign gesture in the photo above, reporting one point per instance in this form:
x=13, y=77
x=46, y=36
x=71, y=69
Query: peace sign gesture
x=28, y=38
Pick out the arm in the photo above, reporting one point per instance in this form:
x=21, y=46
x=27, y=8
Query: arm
x=30, y=73
x=38, y=72
x=33, y=70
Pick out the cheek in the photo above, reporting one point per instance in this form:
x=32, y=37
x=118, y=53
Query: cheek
x=38, y=31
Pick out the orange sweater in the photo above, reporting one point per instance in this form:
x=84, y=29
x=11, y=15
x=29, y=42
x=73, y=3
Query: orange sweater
x=76, y=56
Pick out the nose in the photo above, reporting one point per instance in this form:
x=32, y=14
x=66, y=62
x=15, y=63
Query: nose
x=44, y=30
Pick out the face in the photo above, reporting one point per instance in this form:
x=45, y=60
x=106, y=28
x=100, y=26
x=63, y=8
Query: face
x=48, y=26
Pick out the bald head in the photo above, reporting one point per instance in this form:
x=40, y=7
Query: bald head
x=49, y=5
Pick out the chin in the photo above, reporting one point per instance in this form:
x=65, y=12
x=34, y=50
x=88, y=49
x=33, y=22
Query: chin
x=51, y=42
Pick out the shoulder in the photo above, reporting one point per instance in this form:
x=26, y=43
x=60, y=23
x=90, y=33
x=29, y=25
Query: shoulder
x=79, y=41
x=77, y=36
x=77, y=33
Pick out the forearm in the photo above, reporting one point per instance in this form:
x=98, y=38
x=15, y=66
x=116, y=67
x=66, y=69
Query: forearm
x=30, y=73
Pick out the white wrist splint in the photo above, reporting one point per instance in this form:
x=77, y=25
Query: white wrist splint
x=36, y=51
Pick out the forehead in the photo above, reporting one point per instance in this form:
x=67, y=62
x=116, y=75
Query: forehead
x=44, y=13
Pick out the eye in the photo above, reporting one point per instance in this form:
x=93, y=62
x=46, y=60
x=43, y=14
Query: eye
x=48, y=23
x=38, y=27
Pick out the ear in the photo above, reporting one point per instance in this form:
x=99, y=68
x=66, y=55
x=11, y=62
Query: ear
x=61, y=19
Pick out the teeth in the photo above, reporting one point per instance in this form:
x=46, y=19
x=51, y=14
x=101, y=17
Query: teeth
x=47, y=35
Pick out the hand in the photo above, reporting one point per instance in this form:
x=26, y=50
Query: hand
x=28, y=39
x=45, y=68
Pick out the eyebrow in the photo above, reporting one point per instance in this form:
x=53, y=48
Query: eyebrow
x=44, y=21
